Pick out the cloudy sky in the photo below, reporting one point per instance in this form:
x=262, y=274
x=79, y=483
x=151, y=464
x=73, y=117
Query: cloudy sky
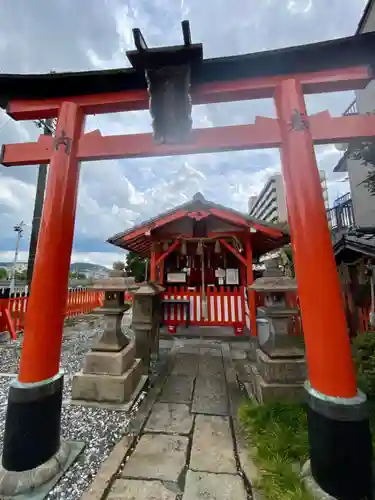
x=69, y=35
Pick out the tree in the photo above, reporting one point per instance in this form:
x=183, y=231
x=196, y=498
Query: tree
x=136, y=266
x=365, y=153
x=77, y=275
x=3, y=273
x=21, y=275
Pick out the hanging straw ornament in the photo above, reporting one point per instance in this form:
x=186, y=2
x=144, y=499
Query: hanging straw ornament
x=217, y=248
x=200, y=248
x=183, y=248
x=165, y=246
x=238, y=245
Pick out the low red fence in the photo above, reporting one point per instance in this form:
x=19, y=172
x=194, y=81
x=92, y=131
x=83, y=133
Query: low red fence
x=79, y=302
x=225, y=306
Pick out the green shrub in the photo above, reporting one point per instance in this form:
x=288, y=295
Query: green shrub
x=364, y=359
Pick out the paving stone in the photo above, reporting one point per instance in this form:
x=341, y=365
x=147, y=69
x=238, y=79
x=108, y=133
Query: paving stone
x=170, y=418
x=134, y=489
x=210, y=395
x=209, y=486
x=212, y=351
x=212, y=449
x=238, y=354
x=186, y=364
x=178, y=389
x=192, y=349
x=211, y=366
x=157, y=456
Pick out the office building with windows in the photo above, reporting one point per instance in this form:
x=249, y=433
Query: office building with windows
x=270, y=204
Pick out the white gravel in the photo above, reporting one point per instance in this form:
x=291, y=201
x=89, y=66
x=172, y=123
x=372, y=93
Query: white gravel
x=99, y=428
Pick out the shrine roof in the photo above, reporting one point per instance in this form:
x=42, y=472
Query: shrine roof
x=350, y=247
x=266, y=236
x=327, y=55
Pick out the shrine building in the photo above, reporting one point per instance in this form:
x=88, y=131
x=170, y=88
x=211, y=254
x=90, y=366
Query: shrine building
x=202, y=253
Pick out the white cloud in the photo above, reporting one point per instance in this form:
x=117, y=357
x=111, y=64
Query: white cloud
x=114, y=195
x=299, y=6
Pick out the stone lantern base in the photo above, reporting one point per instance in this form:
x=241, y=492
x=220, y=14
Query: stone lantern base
x=271, y=379
x=109, y=377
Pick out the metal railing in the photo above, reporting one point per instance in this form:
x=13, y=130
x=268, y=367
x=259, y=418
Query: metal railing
x=341, y=216
x=352, y=109
x=342, y=199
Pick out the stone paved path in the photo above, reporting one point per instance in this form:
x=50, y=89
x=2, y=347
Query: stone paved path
x=186, y=446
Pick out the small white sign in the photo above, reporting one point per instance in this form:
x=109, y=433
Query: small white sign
x=232, y=277
x=176, y=277
x=220, y=273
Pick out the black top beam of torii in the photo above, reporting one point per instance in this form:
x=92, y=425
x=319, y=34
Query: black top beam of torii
x=340, y=53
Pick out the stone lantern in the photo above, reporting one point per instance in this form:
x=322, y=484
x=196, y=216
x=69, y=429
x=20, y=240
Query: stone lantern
x=146, y=320
x=111, y=371
x=280, y=368
x=114, y=288
x=275, y=318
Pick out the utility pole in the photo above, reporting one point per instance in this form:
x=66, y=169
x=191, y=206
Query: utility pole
x=48, y=129
x=19, y=230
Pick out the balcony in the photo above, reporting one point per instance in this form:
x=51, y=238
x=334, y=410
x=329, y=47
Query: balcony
x=352, y=109
x=341, y=216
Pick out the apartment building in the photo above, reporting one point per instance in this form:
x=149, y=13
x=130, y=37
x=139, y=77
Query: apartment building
x=363, y=204
x=270, y=204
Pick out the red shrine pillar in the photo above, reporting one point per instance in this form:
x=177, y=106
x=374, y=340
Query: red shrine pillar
x=339, y=433
x=250, y=281
x=161, y=272
x=32, y=429
x=153, y=264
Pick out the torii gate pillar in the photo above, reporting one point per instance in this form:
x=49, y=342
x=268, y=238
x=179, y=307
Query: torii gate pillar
x=32, y=428
x=339, y=431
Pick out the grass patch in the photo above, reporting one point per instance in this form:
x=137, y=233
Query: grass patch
x=277, y=432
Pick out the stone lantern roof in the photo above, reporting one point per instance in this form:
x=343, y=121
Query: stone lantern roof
x=150, y=288
x=117, y=281
x=268, y=284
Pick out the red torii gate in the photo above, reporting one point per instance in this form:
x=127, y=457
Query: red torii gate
x=340, y=443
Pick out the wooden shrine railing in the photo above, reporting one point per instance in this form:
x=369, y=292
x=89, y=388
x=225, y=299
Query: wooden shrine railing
x=79, y=302
x=225, y=306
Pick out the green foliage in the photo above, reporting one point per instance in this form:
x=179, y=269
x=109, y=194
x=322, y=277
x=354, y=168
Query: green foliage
x=21, y=275
x=3, y=273
x=365, y=152
x=278, y=432
x=77, y=275
x=364, y=359
x=135, y=266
